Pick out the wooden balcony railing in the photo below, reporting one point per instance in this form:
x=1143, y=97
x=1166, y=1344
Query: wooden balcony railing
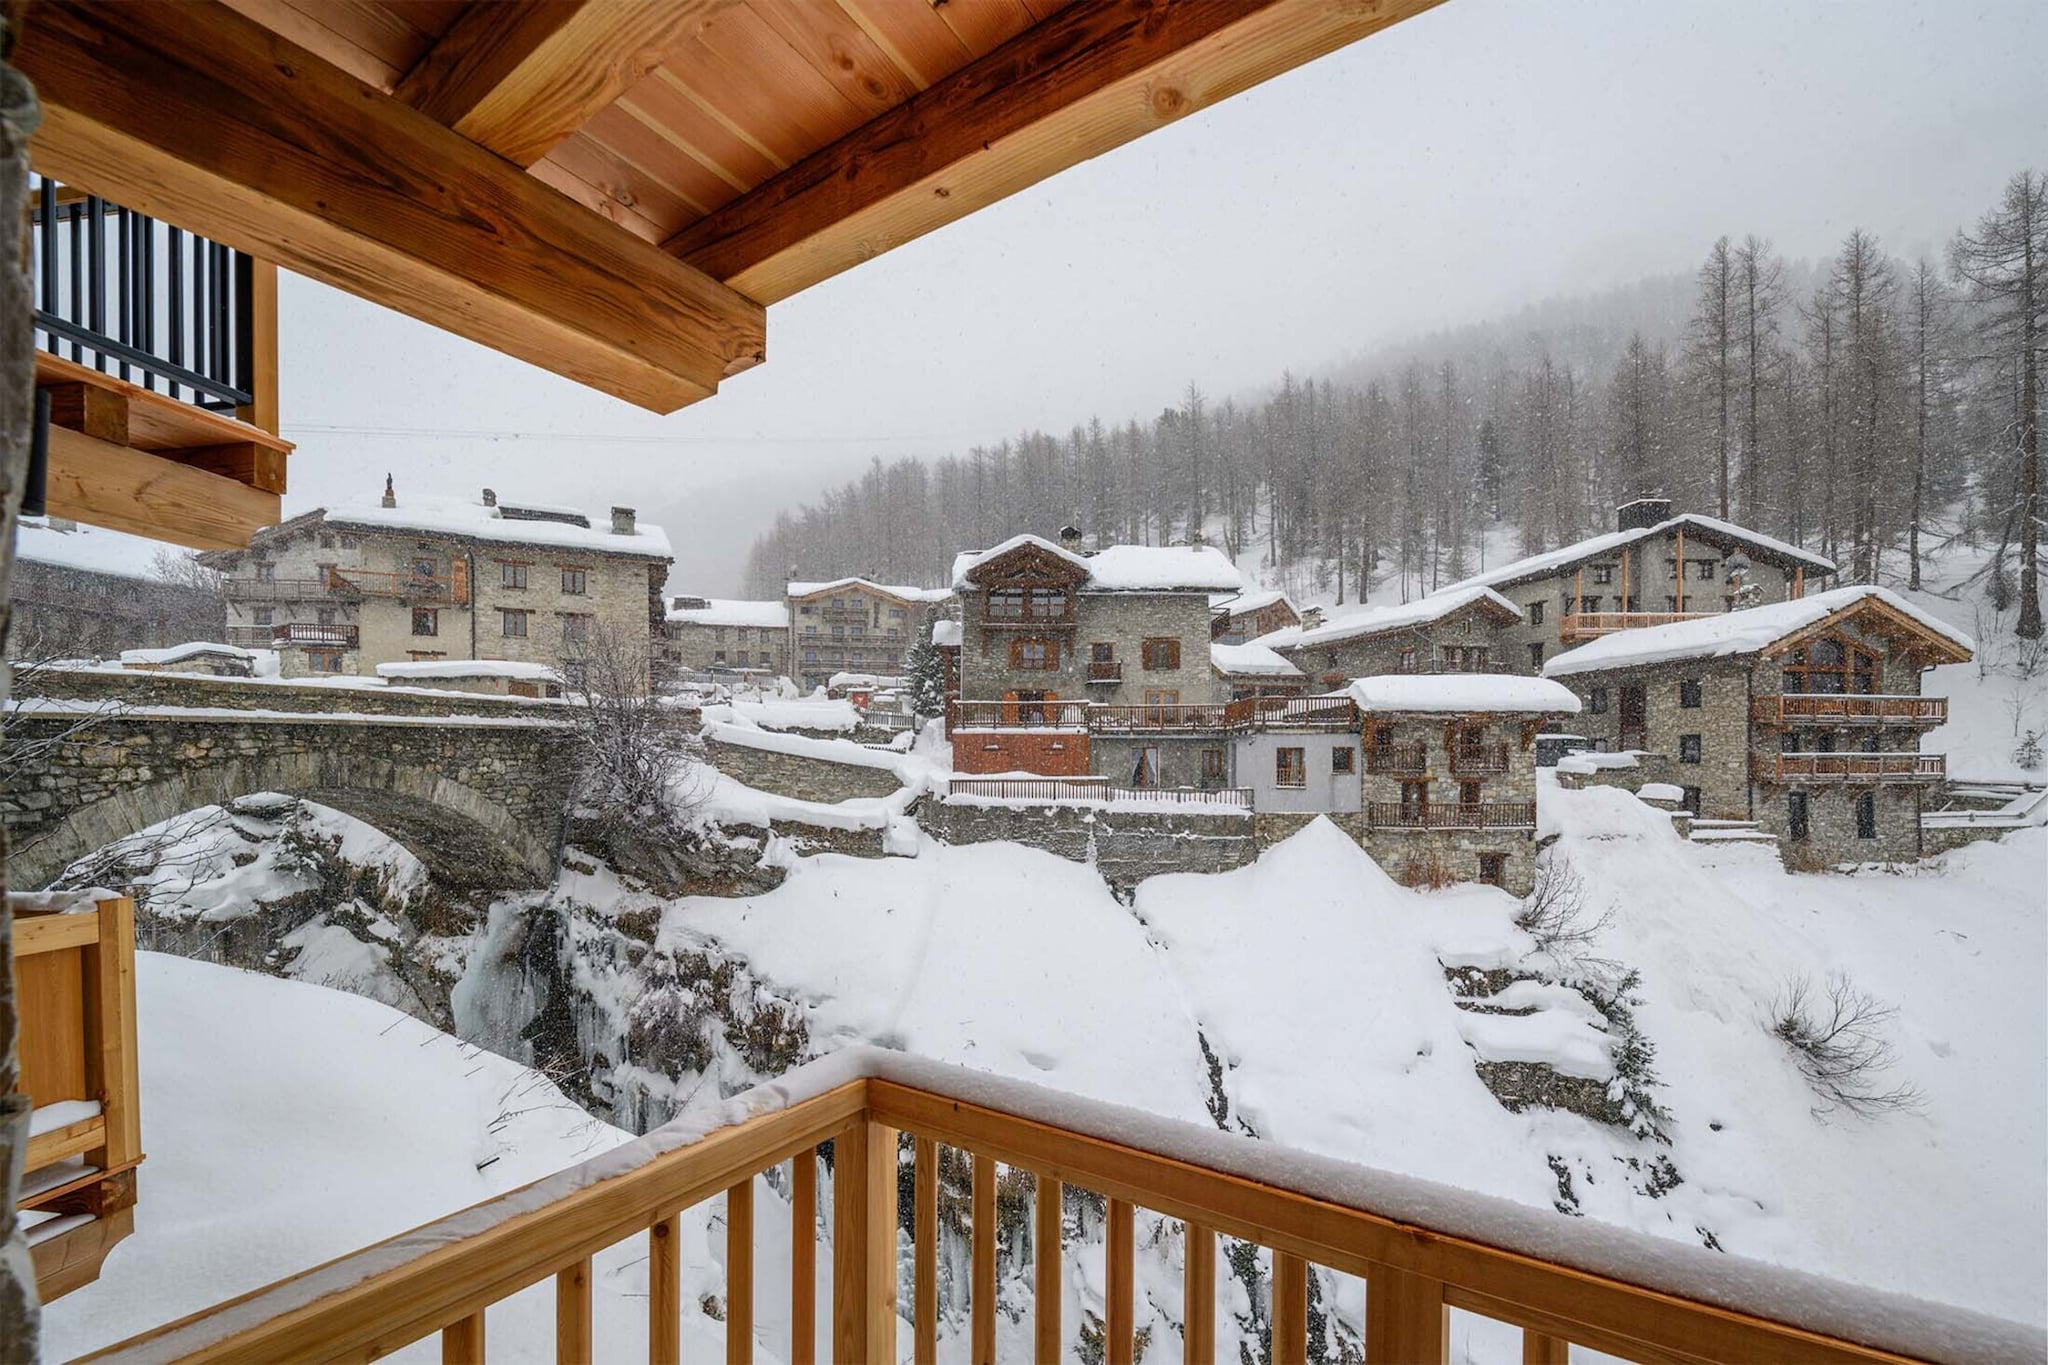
x=1824, y=708
x=74, y=975
x=1479, y=758
x=1781, y=769
x=1397, y=758
x=1580, y=626
x=1226, y=798
x=1031, y=788
x=1012, y=715
x=1194, y=716
x=1295, y=713
x=1105, y=670
x=284, y=589
x=293, y=633
x=1485, y=815
x=410, y=587
x=1561, y=1280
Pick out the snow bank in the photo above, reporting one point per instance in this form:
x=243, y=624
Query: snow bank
x=804, y=746
x=775, y=713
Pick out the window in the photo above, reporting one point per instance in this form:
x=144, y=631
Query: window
x=1536, y=613
x=1536, y=656
x=1832, y=666
x=1707, y=569
x=576, y=676
x=1866, y=816
x=1101, y=653
x=1156, y=702
x=1290, y=767
x=1688, y=748
x=1796, y=822
x=262, y=615
x=423, y=567
x=1343, y=759
x=717, y=656
x=350, y=542
x=511, y=575
x=514, y=623
x=1409, y=662
x=1596, y=700
x=1671, y=604
x=1145, y=771
x=1463, y=658
x=1471, y=793
x=807, y=609
x=1026, y=604
x=576, y=629
x=1689, y=693
x=1603, y=573
x=266, y=572
x=1589, y=604
x=1414, y=798
x=1215, y=768
x=1493, y=869
x=1689, y=799
x=1034, y=656
x=326, y=541
x=323, y=660
x=1161, y=655
x=426, y=621
x=575, y=582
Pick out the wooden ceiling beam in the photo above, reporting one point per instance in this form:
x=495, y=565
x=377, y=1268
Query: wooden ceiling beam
x=193, y=113
x=522, y=76
x=1089, y=79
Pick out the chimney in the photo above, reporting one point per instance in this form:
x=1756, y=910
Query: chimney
x=490, y=498
x=622, y=521
x=1070, y=539
x=1642, y=514
x=1311, y=618
x=390, y=493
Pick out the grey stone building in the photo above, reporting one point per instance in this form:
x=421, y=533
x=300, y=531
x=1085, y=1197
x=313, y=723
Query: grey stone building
x=1242, y=617
x=1652, y=569
x=414, y=578
x=1448, y=632
x=83, y=590
x=718, y=632
x=1804, y=716
x=852, y=625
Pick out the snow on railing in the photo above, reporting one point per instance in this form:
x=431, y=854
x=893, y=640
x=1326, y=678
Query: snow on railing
x=1422, y=1247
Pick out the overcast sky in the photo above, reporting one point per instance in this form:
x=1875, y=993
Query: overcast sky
x=1488, y=154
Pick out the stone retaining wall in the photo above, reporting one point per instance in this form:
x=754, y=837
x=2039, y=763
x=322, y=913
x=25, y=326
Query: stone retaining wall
x=1126, y=846
x=245, y=694
x=799, y=775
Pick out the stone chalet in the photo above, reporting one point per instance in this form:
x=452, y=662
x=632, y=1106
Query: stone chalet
x=1048, y=629
x=424, y=579
x=83, y=590
x=1632, y=577
x=719, y=632
x=852, y=625
x=1804, y=716
x=1448, y=632
x=1242, y=617
x=1256, y=670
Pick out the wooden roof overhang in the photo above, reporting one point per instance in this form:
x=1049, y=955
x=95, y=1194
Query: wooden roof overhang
x=615, y=189
x=1028, y=566
x=1902, y=635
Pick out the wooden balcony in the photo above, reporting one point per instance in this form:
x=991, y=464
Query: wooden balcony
x=75, y=977
x=1031, y=788
x=327, y=589
x=1848, y=769
x=1485, y=815
x=1848, y=709
x=1324, y=714
x=1194, y=717
x=1479, y=758
x=1580, y=626
x=405, y=587
x=299, y=634
x=1397, y=758
x=1560, y=1280
x=1013, y=715
x=1105, y=671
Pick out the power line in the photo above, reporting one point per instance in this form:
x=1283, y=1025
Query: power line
x=481, y=434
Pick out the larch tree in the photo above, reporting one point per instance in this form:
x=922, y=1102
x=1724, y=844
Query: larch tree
x=1760, y=294
x=1713, y=353
x=1927, y=327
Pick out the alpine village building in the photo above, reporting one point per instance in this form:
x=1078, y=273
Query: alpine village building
x=82, y=590
x=719, y=633
x=428, y=579
x=853, y=626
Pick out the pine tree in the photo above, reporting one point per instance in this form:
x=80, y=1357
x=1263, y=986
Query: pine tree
x=927, y=671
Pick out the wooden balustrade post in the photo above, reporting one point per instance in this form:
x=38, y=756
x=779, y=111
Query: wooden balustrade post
x=1198, y=1302
x=924, y=1252
x=665, y=1291
x=1290, y=1309
x=572, y=1314
x=1121, y=1327
x=1538, y=1348
x=1046, y=1261
x=739, y=1273
x=803, y=1258
x=982, y=1297
x=864, y=1244
x=112, y=1073
x=1407, y=1321
x=462, y=1342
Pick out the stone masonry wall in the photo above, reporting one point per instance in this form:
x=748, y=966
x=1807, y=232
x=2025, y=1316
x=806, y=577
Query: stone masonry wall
x=1721, y=720
x=800, y=775
x=1122, y=620
x=246, y=694
x=1128, y=846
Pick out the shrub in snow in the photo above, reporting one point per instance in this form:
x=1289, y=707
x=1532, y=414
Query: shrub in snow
x=1555, y=913
x=1836, y=1034
x=2028, y=754
x=1635, y=1082
x=636, y=752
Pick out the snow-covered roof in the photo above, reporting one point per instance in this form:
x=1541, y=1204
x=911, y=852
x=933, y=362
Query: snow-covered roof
x=729, y=611
x=470, y=517
x=863, y=680
x=1381, y=620
x=1463, y=693
x=191, y=649
x=946, y=633
x=470, y=668
x=1237, y=604
x=903, y=592
x=1738, y=632
x=91, y=548
x=1123, y=568
x=1252, y=660
x=1551, y=561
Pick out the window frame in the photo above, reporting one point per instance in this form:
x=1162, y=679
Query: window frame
x=507, y=616
x=1597, y=701
x=1866, y=815
x=512, y=574
x=1158, y=647
x=1536, y=612
x=1691, y=748
x=1343, y=760
x=431, y=617
x=575, y=580
x=1290, y=759
x=1691, y=695
x=1048, y=652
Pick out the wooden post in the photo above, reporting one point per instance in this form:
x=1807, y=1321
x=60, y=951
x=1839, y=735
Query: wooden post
x=982, y=1298
x=1290, y=1309
x=864, y=1244
x=1681, y=571
x=112, y=1074
x=803, y=1258
x=1624, y=578
x=1407, y=1321
x=665, y=1291
x=739, y=1273
x=924, y=1251
x=1122, y=1324
x=1799, y=582
x=1541, y=1349
x=1045, y=1272
x=462, y=1343
x=1198, y=1304
x=1578, y=594
x=262, y=411
x=572, y=1314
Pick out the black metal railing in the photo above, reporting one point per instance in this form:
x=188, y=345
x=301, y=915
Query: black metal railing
x=147, y=302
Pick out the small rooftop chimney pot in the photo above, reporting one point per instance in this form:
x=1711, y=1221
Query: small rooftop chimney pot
x=490, y=497
x=1642, y=514
x=1311, y=618
x=1070, y=538
x=623, y=519
x=390, y=493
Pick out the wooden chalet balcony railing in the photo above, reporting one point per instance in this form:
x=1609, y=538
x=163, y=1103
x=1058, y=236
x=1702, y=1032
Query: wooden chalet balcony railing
x=283, y=589
x=74, y=974
x=1011, y=715
x=1227, y=798
x=313, y=633
x=1397, y=758
x=1848, y=768
x=1561, y=1280
x=411, y=587
x=1032, y=788
x=1105, y=671
x=1295, y=713
x=1580, y=626
x=1826, y=708
x=1485, y=815
x=1479, y=758
x=1193, y=716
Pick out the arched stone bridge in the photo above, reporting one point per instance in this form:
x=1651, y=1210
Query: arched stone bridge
x=476, y=787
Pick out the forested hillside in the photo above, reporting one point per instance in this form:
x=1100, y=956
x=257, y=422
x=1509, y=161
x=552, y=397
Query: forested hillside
x=1865, y=406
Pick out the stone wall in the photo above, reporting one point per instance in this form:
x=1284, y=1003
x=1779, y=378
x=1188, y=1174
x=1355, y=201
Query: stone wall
x=1721, y=720
x=700, y=644
x=1126, y=846
x=802, y=776
x=1121, y=620
x=1831, y=825
x=255, y=694
x=1180, y=757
